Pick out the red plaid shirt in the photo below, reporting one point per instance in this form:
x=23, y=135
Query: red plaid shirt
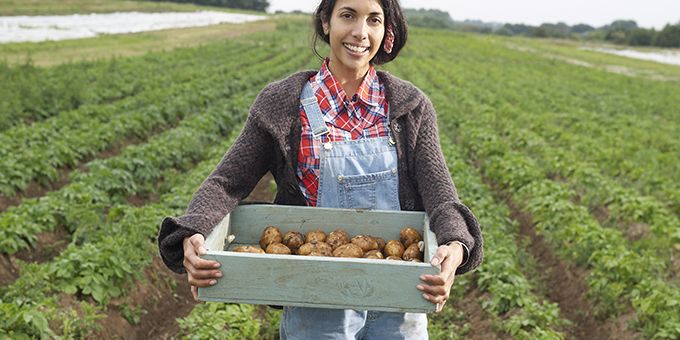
x=362, y=116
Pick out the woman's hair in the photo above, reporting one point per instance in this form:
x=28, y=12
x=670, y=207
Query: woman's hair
x=393, y=17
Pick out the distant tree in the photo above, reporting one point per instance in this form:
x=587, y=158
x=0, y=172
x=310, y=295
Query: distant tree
x=504, y=31
x=616, y=36
x=520, y=29
x=669, y=36
x=581, y=29
x=641, y=37
x=622, y=25
x=254, y=5
x=432, y=18
x=560, y=30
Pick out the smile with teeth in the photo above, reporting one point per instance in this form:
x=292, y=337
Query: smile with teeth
x=357, y=49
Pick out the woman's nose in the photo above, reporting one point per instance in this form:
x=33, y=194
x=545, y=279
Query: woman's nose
x=360, y=30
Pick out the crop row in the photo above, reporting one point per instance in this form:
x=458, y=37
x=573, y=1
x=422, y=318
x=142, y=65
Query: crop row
x=624, y=207
x=625, y=128
x=530, y=316
x=112, y=180
x=32, y=93
x=618, y=275
x=103, y=267
x=37, y=152
x=617, y=122
x=112, y=255
x=592, y=188
x=501, y=275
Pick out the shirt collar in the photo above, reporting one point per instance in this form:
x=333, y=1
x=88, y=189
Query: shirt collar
x=369, y=91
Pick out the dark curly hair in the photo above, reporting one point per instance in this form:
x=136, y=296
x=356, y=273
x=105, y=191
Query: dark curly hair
x=393, y=17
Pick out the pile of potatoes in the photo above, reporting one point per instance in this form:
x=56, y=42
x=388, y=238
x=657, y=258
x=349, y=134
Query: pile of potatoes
x=409, y=246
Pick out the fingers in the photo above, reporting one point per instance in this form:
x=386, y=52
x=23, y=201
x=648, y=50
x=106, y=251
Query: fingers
x=194, y=292
x=433, y=290
x=204, y=274
x=435, y=298
x=442, y=253
x=196, y=262
x=448, y=271
x=435, y=280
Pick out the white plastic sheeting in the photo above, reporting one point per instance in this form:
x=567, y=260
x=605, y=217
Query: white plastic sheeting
x=667, y=57
x=61, y=27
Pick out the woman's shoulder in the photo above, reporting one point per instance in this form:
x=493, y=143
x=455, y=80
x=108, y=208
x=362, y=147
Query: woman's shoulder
x=402, y=93
x=280, y=99
x=287, y=87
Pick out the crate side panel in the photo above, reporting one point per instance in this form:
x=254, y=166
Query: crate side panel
x=430, y=240
x=317, y=281
x=216, y=239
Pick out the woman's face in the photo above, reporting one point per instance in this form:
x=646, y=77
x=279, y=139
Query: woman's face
x=356, y=30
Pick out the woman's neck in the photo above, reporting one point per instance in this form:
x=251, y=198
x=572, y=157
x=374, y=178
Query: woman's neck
x=349, y=79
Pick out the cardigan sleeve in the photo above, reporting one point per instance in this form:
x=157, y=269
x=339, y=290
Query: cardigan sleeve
x=239, y=171
x=450, y=219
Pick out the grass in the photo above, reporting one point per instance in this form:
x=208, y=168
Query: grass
x=570, y=51
x=51, y=53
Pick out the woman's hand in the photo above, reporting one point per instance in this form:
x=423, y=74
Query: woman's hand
x=200, y=272
x=437, y=287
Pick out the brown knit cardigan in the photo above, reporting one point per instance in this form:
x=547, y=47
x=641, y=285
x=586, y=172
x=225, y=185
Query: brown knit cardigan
x=270, y=141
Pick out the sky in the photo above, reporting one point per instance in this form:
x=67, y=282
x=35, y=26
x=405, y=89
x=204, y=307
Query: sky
x=647, y=13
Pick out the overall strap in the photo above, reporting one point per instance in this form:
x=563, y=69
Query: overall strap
x=313, y=111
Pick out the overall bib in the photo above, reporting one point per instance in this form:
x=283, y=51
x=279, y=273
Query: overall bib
x=353, y=174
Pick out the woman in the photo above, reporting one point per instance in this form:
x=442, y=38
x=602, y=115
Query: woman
x=314, y=129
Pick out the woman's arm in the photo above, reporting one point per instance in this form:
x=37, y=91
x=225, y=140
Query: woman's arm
x=234, y=178
x=450, y=220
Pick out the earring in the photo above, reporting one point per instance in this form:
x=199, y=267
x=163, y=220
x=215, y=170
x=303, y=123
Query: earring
x=389, y=40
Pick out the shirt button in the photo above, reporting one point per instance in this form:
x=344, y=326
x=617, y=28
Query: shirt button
x=397, y=128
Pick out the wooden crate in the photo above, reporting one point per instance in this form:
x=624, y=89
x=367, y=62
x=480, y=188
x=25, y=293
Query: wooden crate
x=313, y=281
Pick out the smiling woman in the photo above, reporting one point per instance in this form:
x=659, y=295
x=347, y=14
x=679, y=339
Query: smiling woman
x=315, y=129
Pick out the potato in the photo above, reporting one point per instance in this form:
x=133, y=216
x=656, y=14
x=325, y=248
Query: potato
x=278, y=248
x=248, y=249
x=394, y=248
x=381, y=242
x=348, y=250
x=337, y=238
x=270, y=234
x=374, y=254
x=316, y=235
x=316, y=249
x=366, y=243
x=409, y=236
x=412, y=252
x=293, y=240
x=394, y=258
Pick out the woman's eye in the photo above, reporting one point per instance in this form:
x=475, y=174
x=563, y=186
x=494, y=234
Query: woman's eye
x=346, y=16
x=375, y=20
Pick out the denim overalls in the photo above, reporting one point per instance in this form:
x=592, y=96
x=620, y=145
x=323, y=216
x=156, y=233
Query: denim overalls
x=353, y=174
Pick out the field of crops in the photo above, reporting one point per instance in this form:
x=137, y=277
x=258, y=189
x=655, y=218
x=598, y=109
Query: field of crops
x=572, y=168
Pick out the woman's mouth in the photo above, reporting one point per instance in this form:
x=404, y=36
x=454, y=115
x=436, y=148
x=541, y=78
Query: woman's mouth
x=356, y=50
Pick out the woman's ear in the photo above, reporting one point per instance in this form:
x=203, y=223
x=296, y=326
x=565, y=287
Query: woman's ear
x=325, y=27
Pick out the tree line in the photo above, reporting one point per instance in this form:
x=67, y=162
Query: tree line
x=625, y=32
x=254, y=5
